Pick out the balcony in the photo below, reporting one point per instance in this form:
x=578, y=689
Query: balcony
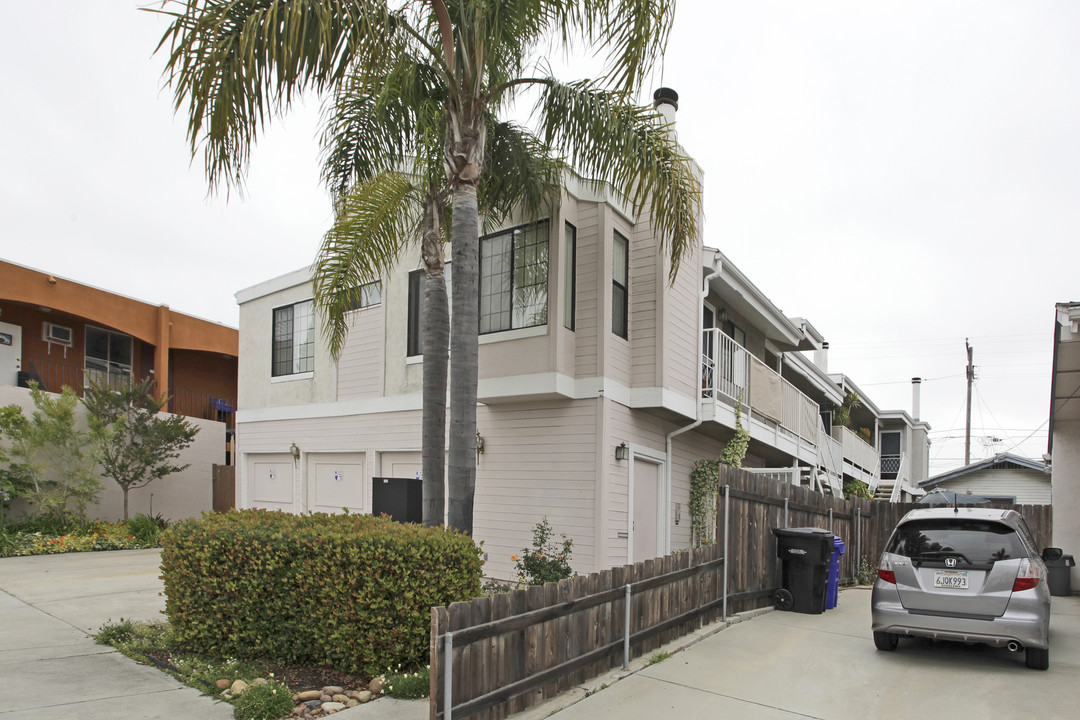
x=861, y=459
x=730, y=375
x=52, y=375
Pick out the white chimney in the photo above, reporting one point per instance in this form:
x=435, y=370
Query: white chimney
x=821, y=357
x=666, y=102
x=916, y=393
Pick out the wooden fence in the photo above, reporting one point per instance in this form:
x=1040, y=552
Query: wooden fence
x=514, y=650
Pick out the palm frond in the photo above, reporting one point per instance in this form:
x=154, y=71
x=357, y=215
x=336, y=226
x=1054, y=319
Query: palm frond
x=234, y=63
x=522, y=173
x=376, y=221
x=607, y=138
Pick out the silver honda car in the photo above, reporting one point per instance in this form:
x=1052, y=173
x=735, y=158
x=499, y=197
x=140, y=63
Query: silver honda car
x=964, y=574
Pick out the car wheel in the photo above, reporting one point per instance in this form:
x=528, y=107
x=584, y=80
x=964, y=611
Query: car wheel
x=783, y=600
x=1037, y=658
x=886, y=641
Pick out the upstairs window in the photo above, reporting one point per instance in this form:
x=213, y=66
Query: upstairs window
x=570, y=276
x=620, y=281
x=514, y=279
x=363, y=296
x=294, y=340
x=108, y=357
x=417, y=281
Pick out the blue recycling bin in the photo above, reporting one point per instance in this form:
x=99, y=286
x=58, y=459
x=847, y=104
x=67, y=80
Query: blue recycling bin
x=833, y=588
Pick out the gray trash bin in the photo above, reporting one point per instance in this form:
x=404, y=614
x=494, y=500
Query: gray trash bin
x=1060, y=571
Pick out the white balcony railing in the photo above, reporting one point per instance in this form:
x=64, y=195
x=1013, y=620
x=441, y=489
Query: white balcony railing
x=729, y=372
x=857, y=451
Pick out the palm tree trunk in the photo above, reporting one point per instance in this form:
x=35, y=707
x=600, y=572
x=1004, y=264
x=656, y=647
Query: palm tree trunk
x=464, y=356
x=436, y=342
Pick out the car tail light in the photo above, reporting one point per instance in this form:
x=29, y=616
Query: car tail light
x=885, y=572
x=1027, y=577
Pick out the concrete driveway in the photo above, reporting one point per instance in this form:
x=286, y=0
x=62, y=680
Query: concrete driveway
x=786, y=665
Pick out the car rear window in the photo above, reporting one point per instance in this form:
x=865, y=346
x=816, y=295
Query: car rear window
x=977, y=542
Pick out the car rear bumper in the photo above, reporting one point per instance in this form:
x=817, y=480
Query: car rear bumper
x=1026, y=622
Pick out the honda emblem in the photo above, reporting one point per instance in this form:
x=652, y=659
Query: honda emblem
x=950, y=562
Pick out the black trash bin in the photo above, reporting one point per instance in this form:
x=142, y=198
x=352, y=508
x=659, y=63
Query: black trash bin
x=1059, y=572
x=804, y=555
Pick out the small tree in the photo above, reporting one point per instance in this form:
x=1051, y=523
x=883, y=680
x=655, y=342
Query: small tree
x=47, y=465
x=134, y=444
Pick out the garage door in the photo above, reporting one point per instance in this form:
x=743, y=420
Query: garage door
x=269, y=480
x=336, y=482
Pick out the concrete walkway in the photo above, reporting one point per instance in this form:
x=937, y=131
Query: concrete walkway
x=783, y=666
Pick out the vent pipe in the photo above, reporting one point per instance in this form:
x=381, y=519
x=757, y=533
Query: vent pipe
x=916, y=397
x=666, y=102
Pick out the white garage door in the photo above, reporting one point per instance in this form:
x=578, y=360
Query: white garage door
x=269, y=480
x=336, y=482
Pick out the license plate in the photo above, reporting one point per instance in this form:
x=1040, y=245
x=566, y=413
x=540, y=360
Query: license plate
x=951, y=579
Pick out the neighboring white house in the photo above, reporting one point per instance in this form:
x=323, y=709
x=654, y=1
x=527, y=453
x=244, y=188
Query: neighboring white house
x=1005, y=477
x=1064, y=443
x=587, y=353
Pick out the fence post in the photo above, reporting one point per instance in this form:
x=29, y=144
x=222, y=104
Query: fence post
x=448, y=675
x=830, y=519
x=626, y=631
x=727, y=532
x=785, y=512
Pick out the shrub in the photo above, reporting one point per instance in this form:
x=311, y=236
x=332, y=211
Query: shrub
x=270, y=701
x=408, y=686
x=114, y=633
x=545, y=562
x=146, y=529
x=350, y=591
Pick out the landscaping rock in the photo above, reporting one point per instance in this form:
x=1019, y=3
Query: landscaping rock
x=325, y=698
x=333, y=707
x=353, y=702
x=333, y=690
x=313, y=704
x=375, y=685
x=365, y=696
x=239, y=687
x=259, y=681
x=223, y=683
x=338, y=697
x=308, y=695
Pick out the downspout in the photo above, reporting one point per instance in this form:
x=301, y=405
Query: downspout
x=698, y=420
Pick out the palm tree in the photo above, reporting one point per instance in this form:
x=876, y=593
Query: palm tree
x=237, y=62
x=380, y=210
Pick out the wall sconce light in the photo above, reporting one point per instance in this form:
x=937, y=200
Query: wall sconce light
x=622, y=452
x=479, y=443
x=295, y=452
x=722, y=315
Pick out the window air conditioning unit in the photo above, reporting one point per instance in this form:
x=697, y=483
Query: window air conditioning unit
x=56, y=334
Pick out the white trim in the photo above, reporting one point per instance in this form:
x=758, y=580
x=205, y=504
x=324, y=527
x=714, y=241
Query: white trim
x=275, y=285
x=294, y=376
x=516, y=334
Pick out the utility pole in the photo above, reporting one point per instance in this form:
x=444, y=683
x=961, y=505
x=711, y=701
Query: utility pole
x=970, y=380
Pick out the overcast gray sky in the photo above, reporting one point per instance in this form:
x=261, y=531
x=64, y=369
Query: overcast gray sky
x=904, y=174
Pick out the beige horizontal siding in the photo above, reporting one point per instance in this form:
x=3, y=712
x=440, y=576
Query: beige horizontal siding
x=360, y=366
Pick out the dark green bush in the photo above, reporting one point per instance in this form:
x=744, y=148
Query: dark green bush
x=350, y=591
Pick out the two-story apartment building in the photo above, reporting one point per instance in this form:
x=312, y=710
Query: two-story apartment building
x=600, y=386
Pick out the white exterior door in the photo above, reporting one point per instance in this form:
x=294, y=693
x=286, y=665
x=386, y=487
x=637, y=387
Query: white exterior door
x=646, y=529
x=10, y=353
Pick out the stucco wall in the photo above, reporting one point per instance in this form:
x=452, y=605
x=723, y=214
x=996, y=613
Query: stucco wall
x=177, y=496
x=1065, y=480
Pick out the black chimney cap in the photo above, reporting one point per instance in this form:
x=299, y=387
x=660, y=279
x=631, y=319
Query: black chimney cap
x=665, y=95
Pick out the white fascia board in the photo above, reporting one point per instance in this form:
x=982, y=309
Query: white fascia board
x=845, y=383
x=809, y=331
x=663, y=397
x=733, y=278
x=813, y=373
x=274, y=285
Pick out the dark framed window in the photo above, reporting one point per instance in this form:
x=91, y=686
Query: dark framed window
x=569, y=276
x=514, y=278
x=417, y=280
x=363, y=296
x=108, y=357
x=294, y=340
x=620, y=282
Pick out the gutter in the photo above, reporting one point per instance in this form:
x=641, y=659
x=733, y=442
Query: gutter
x=700, y=319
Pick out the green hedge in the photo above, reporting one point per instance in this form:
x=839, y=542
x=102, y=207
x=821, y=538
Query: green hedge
x=350, y=591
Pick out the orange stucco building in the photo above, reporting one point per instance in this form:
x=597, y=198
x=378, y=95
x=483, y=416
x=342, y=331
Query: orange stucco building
x=59, y=332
